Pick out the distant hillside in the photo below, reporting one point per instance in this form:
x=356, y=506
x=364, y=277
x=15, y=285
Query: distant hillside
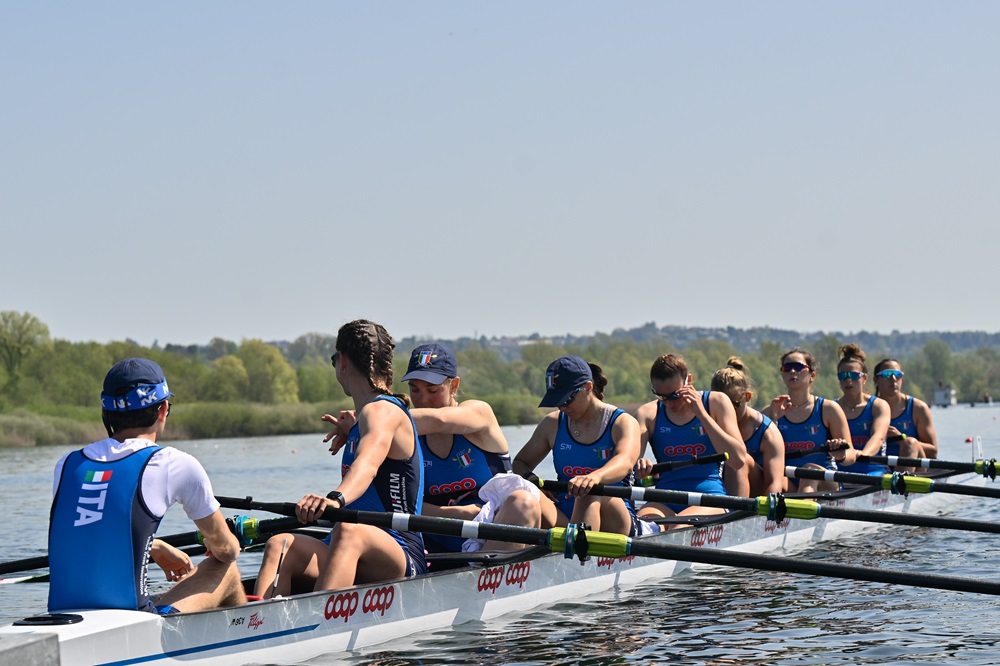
x=894, y=344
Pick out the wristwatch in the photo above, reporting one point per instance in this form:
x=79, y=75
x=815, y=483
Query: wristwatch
x=338, y=496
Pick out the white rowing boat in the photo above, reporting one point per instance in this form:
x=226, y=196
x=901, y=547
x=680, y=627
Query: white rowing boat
x=304, y=626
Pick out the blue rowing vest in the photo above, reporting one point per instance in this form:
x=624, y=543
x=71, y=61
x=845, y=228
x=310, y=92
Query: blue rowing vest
x=456, y=479
x=672, y=442
x=805, y=436
x=571, y=458
x=860, y=434
x=755, y=439
x=398, y=486
x=905, y=424
x=100, y=535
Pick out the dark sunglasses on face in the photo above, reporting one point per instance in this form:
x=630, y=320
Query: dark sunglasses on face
x=571, y=398
x=333, y=359
x=890, y=374
x=844, y=376
x=665, y=396
x=736, y=403
x=794, y=366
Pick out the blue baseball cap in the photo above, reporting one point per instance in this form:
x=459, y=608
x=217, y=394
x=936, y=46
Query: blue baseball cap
x=563, y=376
x=432, y=363
x=135, y=383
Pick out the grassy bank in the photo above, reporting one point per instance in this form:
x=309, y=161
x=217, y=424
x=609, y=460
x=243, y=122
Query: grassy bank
x=23, y=428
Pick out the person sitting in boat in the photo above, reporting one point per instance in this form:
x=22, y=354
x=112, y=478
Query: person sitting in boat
x=765, y=448
x=109, y=498
x=683, y=422
x=591, y=443
x=911, y=429
x=382, y=470
x=867, y=415
x=464, y=448
x=807, y=422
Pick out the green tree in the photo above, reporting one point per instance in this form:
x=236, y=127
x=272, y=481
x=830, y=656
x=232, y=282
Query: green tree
x=228, y=381
x=21, y=334
x=938, y=356
x=272, y=379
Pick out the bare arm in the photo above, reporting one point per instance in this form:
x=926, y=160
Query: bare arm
x=836, y=422
x=625, y=433
x=881, y=415
x=645, y=416
x=537, y=447
x=219, y=540
x=723, y=429
x=925, y=428
x=472, y=418
x=772, y=448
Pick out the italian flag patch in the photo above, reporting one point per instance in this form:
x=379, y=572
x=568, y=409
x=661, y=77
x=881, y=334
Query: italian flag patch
x=99, y=477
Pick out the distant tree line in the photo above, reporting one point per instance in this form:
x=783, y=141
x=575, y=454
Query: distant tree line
x=226, y=388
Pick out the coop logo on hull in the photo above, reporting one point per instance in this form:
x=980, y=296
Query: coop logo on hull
x=345, y=604
x=493, y=578
x=705, y=536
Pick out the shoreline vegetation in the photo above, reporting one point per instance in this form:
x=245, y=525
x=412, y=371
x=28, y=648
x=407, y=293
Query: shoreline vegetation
x=50, y=388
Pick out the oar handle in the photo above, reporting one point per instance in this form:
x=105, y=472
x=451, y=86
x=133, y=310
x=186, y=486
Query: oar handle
x=640, y=494
x=801, y=453
x=985, y=467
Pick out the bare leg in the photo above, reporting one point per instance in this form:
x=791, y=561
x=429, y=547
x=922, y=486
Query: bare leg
x=360, y=554
x=521, y=509
x=213, y=584
x=299, y=566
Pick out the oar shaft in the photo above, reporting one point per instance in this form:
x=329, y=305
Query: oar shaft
x=642, y=494
x=984, y=467
x=897, y=483
x=645, y=548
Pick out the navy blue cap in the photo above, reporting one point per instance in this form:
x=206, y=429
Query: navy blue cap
x=135, y=383
x=563, y=376
x=432, y=363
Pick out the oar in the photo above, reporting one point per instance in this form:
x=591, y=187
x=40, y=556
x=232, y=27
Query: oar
x=572, y=541
x=801, y=453
x=252, y=528
x=778, y=508
x=898, y=483
x=987, y=468
x=693, y=460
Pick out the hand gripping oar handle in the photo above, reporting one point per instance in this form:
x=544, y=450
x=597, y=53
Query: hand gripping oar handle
x=899, y=483
x=778, y=507
x=801, y=453
x=603, y=544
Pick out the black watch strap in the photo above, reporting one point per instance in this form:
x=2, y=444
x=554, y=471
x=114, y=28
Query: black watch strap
x=339, y=496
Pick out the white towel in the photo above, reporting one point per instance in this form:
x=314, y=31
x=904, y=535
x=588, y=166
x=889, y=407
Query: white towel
x=493, y=493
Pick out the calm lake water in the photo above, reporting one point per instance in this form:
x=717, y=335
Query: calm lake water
x=708, y=616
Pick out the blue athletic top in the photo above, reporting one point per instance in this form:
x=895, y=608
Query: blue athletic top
x=100, y=535
x=456, y=479
x=860, y=427
x=905, y=424
x=755, y=439
x=572, y=458
x=810, y=434
x=398, y=486
x=672, y=442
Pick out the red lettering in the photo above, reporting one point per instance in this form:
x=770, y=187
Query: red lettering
x=517, y=574
x=255, y=621
x=576, y=471
x=684, y=450
x=342, y=605
x=490, y=579
x=445, y=488
x=378, y=599
x=800, y=446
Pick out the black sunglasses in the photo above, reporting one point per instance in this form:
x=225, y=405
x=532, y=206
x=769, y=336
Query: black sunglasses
x=571, y=398
x=665, y=396
x=333, y=359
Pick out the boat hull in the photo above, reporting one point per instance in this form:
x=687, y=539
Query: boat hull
x=305, y=626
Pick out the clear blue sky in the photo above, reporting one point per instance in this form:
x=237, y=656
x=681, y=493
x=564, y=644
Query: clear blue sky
x=181, y=171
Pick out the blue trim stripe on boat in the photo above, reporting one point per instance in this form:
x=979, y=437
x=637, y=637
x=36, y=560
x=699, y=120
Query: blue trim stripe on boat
x=210, y=646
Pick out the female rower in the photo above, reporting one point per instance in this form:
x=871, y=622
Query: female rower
x=683, y=422
x=911, y=428
x=765, y=448
x=381, y=460
x=807, y=422
x=867, y=415
x=591, y=442
x=463, y=448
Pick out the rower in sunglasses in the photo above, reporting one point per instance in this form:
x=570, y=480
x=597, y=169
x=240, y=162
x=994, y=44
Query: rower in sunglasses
x=683, y=422
x=911, y=428
x=807, y=422
x=867, y=415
